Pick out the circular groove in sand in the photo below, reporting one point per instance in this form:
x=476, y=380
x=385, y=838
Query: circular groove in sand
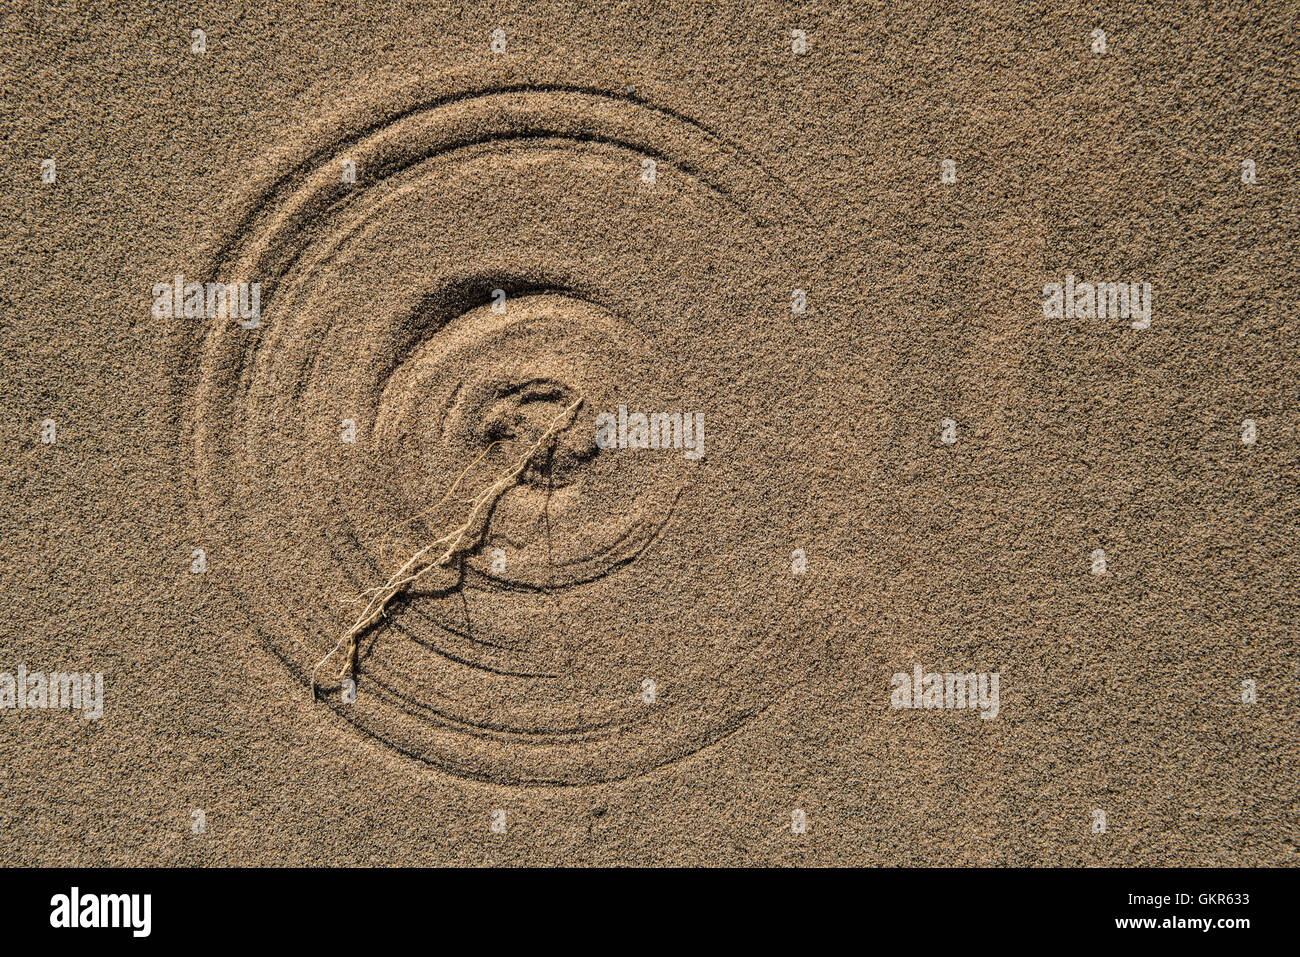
x=376, y=308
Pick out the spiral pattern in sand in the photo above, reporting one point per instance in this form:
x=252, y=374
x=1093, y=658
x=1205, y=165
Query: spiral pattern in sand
x=498, y=257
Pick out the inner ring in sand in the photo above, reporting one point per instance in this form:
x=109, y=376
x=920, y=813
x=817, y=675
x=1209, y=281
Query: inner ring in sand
x=529, y=666
x=530, y=358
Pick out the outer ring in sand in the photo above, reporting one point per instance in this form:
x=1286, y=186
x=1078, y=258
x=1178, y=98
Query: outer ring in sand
x=266, y=247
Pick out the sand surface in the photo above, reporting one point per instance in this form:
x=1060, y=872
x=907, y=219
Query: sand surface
x=651, y=656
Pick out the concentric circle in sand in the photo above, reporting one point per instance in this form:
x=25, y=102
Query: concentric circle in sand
x=499, y=257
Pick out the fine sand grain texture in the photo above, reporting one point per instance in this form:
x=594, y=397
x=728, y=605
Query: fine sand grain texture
x=367, y=553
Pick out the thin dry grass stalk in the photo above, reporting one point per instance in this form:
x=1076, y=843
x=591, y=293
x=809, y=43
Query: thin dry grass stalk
x=458, y=542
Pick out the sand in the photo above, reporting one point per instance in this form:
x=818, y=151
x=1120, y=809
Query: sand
x=685, y=655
